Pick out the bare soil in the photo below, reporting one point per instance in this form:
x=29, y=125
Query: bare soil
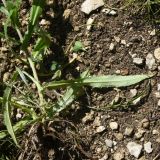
x=74, y=135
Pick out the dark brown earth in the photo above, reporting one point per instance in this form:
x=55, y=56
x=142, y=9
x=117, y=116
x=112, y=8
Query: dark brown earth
x=74, y=135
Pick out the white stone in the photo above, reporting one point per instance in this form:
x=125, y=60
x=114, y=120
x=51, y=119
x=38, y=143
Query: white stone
x=158, y=87
x=111, y=47
x=128, y=131
x=148, y=147
x=117, y=39
x=91, y=5
x=109, y=12
x=138, y=61
x=150, y=61
x=100, y=129
x=89, y=23
x=158, y=103
x=134, y=149
x=153, y=33
x=155, y=132
x=109, y=143
x=113, y=125
x=157, y=94
x=133, y=92
x=157, y=53
x=123, y=42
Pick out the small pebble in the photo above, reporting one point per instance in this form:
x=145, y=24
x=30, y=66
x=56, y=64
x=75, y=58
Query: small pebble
x=157, y=53
x=134, y=149
x=128, y=131
x=148, y=147
x=117, y=39
x=138, y=61
x=139, y=134
x=112, y=47
x=91, y=5
x=119, y=136
x=6, y=76
x=158, y=103
x=145, y=123
x=100, y=129
x=113, y=125
x=155, y=132
x=133, y=92
x=123, y=42
x=153, y=33
x=158, y=140
x=109, y=143
x=119, y=156
x=150, y=62
x=109, y=12
x=89, y=23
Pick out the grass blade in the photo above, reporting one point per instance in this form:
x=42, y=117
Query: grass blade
x=100, y=81
x=18, y=127
x=7, y=108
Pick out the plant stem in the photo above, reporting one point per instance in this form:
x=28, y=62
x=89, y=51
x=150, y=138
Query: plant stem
x=19, y=34
x=41, y=99
x=4, y=3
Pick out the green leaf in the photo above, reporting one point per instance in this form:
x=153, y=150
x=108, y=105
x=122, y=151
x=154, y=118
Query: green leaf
x=42, y=43
x=35, y=13
x=78, y=46
x=18, y=127
x=100, y=81
x=70, y=95
x=22, y=76
x=7, y=109
x=54, y=65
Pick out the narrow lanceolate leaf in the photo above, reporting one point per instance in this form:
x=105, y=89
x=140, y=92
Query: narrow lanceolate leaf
x=7, y=110
x=113, y=80
x=18, y=127
x=22, y=76
x=100, y=81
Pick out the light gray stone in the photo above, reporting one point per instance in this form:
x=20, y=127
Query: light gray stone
x=150, y=62
x=148, y=147
x=128, y=131
x=109, y=143
x=100, y=129
x=113, y=125
x=157, y=53
x=134, y=149
x=133, y=92
x=139, y=134
x=138, y=61
x=91, y=5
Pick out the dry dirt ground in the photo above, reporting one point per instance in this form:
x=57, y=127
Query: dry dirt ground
x=86, y=131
